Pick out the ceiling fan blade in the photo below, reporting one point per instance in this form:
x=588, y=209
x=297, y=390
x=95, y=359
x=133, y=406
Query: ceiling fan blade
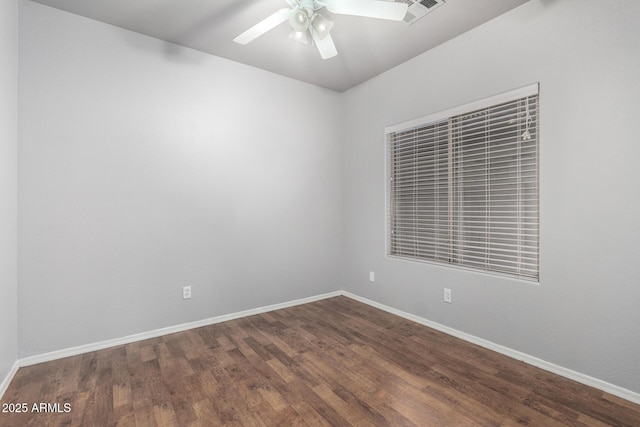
x=263, y=26
x=325, y=46
x=369, y=9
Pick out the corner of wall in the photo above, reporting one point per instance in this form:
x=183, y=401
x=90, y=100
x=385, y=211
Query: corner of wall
x=8, y=191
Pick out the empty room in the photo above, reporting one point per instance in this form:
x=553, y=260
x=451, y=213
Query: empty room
x=319, y=212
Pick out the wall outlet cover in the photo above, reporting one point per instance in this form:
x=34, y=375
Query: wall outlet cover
x=447, y=295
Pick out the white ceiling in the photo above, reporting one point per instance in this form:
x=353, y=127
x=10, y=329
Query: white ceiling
x=366, y=47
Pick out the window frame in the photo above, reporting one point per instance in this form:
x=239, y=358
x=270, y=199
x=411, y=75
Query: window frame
x=444, y=115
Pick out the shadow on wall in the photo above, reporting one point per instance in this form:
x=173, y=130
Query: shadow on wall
x=171, y=48
x=549, y=2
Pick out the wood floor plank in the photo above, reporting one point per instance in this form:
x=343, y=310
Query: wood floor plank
x=334, y=362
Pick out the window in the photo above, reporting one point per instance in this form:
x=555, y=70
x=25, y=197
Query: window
x=463, y=186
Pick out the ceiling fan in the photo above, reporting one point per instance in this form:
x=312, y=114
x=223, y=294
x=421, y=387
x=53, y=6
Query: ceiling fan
x=304, y=18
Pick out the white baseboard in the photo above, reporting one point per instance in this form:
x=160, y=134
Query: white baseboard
x=4, y=385
x=514, y=354
x=74, y=351
x=531, y=360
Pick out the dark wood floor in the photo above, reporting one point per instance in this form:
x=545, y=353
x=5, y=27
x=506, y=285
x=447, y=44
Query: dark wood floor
x=334, y=362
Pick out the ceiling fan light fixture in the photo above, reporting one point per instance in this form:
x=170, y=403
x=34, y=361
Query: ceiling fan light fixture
x=299, y=20
x=321, y=25
x=300, y=36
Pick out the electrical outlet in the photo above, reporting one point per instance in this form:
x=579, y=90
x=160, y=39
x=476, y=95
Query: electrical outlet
x=372, y=276
x=447, y=295
x=186, y=292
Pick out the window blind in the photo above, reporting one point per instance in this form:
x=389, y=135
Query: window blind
x=463, y=190
x=419, y=192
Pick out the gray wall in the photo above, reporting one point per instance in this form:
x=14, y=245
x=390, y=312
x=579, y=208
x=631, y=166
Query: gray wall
x=583, y=314
x=8, y=184
x=144, y=167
